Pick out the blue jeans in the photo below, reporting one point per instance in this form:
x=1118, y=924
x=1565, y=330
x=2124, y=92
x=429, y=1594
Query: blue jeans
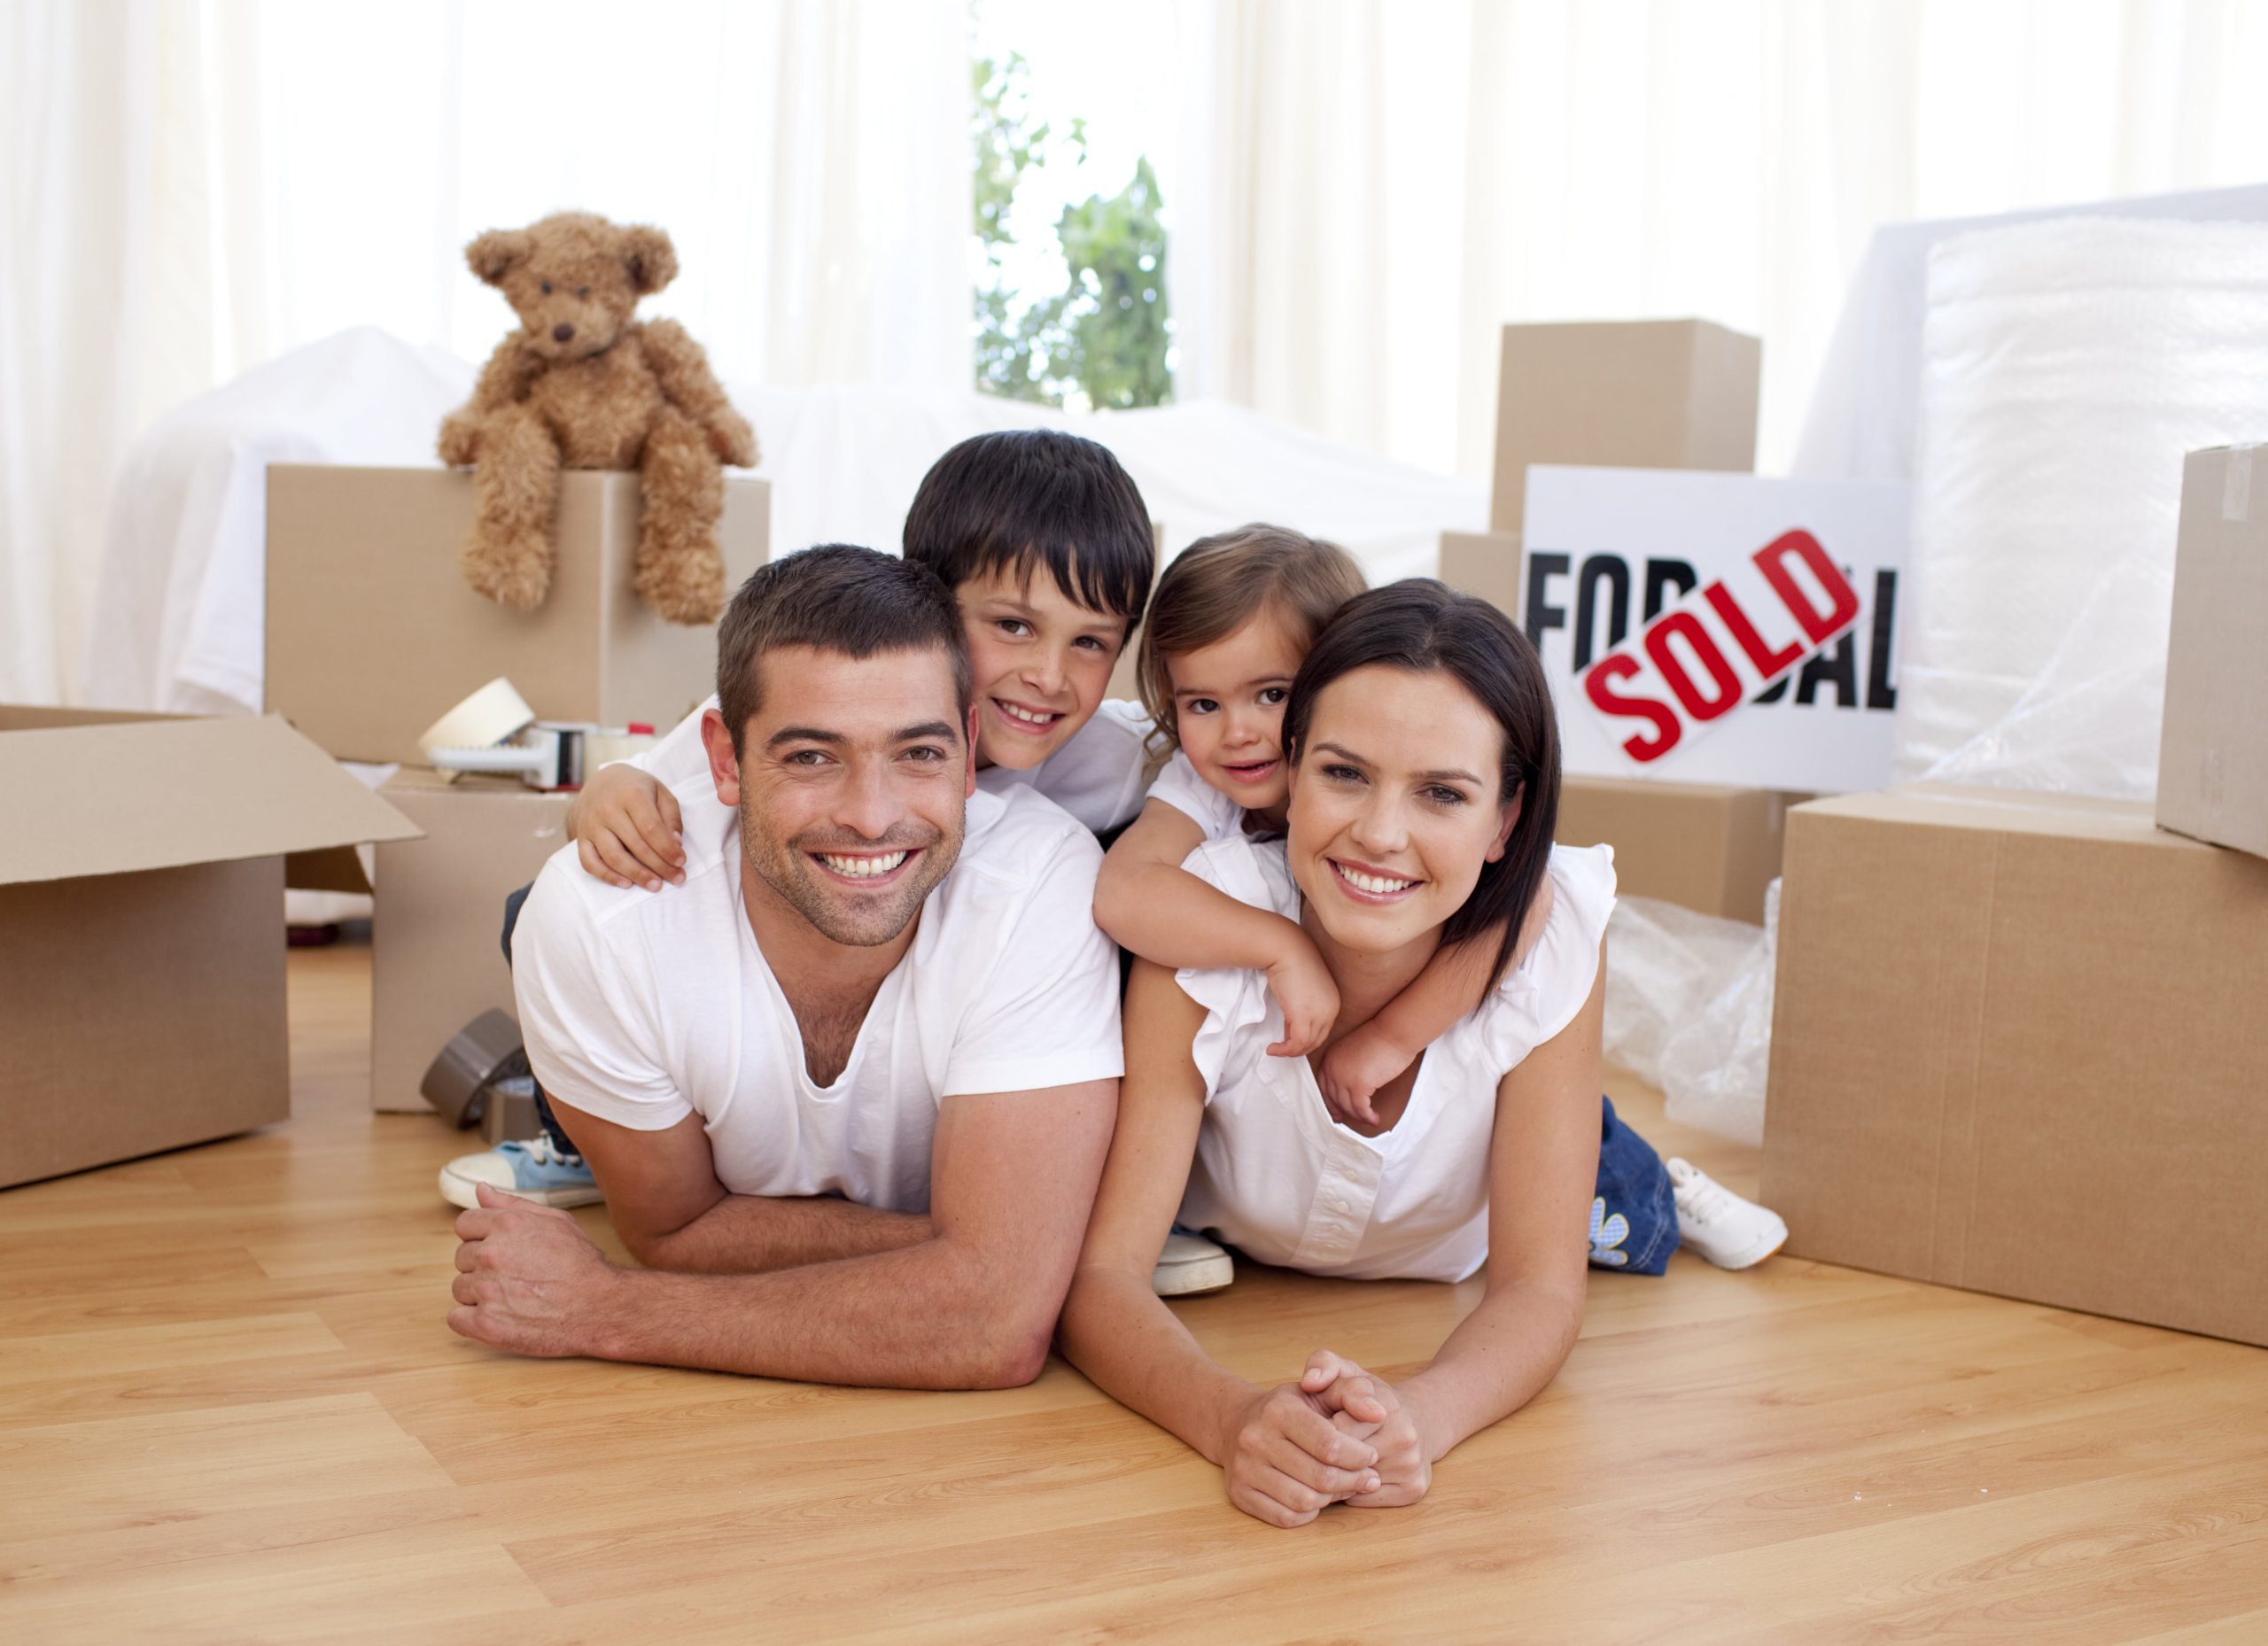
x=1633, y=1210
x=512, y=906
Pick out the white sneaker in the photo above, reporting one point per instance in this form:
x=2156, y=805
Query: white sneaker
x=1730, y=1232
x=537, y=1170
x=1191, y=1264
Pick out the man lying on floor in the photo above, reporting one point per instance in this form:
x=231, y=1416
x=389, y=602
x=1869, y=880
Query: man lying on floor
x=848, y=1090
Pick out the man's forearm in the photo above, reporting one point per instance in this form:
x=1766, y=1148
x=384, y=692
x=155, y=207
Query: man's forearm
x=746, y=1234
x=921, y=1317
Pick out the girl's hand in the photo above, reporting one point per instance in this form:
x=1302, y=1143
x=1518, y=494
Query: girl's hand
x=1356, y=1067
x=1302, y=986
x=1367, y=1407
x=1285, y=1462
x=627, y=828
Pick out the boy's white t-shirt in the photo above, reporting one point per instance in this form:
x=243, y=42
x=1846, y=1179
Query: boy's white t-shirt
x=1096, y=776
x=1276, y=1175
x=644, y=1007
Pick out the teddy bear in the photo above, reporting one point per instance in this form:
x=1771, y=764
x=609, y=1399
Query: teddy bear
x=582, y=385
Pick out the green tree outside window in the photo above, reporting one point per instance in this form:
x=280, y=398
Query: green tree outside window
x=1103, y=339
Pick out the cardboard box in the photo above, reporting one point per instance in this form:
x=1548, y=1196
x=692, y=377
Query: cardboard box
x=2213, y=756
x=142, y=874
x=435, y=963
x=1623, y=394
x=1487, y=563
x=372, y=633
x=1705, y=847
x=2020, y=1044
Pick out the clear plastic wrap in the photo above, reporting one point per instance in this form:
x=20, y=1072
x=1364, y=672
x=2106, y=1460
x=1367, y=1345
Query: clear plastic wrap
x=2068, y=367
x=1688, y=1008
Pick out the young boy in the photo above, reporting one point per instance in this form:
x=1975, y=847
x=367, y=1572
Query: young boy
x=1047, y=548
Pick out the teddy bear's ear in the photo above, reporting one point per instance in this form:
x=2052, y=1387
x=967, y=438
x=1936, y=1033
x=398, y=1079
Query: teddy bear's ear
x=650, y=258
x=498, y=253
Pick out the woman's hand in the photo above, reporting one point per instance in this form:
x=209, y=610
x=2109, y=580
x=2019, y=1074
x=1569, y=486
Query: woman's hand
x=627, y=828
x=1285, y=1462
x=1304, y=987
x=1368, y=1408
x=1356, y=1067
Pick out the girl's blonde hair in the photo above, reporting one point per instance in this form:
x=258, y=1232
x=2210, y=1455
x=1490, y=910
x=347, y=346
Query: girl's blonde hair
x=1218, y=583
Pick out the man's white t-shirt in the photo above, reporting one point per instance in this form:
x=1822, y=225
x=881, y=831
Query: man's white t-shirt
x=1096, y=776
x=1278, y=1178
x=644, y=1007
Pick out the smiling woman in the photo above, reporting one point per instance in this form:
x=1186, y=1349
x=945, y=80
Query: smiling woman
x=1423, y=786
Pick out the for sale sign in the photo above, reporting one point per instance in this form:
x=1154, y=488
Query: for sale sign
x=1717, y=628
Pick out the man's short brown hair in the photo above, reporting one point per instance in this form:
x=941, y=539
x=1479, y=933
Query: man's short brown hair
x=837, y=598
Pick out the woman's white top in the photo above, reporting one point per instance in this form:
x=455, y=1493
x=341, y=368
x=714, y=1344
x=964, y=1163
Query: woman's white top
x=1096, y=776
x=1276, y=1175
x=1180, y=787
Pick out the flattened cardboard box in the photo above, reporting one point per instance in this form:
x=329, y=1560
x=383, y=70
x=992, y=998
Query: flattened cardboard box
x=435, y=962
x=1702, y=846
x=2019, y=1045
x=1621, y=394
x=141, y=875
x=2213, y=756
x=372, y=633
x=1487, y=563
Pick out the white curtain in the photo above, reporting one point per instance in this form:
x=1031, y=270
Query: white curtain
x=1369, y=189
x=194, y=186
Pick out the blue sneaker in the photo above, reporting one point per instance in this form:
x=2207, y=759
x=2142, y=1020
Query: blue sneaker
x=537, y=1171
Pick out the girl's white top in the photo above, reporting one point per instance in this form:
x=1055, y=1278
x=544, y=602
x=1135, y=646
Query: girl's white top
x=1276, y=1175
x=1180, y=787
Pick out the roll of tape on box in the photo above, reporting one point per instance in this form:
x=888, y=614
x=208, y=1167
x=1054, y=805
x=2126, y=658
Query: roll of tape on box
x=495, y=714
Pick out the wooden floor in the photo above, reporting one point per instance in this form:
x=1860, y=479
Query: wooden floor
x=229, y=1410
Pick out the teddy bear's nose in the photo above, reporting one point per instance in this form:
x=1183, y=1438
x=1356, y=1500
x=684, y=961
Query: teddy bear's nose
x=562, y=333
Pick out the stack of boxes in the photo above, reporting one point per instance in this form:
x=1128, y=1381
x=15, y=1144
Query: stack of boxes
x=372, y=635
x=1635, y=394
x=2020, y=1041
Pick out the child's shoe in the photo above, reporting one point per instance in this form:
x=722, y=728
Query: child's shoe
x=537, y=1170
x=1730, y=1232
x=1191, y=1264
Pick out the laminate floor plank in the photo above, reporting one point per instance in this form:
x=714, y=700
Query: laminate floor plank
x=229, y=1410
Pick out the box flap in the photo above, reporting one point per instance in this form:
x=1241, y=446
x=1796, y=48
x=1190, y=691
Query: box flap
x=112, y=799
x=331, y=868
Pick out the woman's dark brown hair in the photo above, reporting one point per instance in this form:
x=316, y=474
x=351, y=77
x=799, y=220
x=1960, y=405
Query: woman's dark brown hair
x=1422, y=625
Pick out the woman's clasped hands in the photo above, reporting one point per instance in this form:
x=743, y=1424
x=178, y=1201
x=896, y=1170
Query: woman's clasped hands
x=1338, y=1435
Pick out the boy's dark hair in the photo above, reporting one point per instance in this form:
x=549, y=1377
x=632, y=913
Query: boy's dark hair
x=1422, y=625
x=853, y=600
x=1019, y=499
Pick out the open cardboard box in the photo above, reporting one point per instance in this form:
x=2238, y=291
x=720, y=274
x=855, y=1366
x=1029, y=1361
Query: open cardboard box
x=143, y=862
